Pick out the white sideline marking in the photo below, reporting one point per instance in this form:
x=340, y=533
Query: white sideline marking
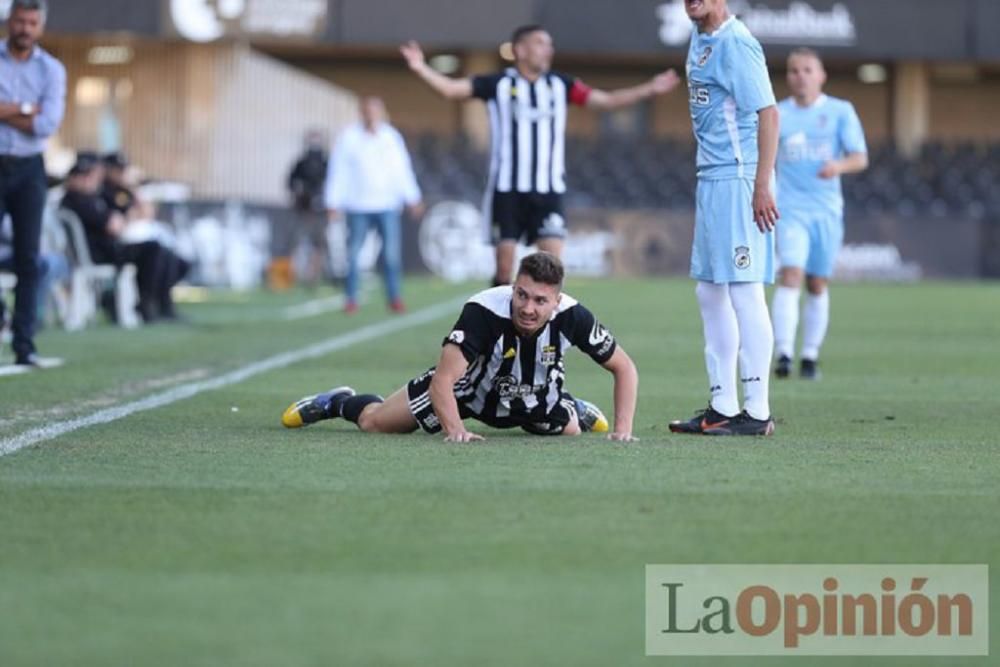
x=314, y=307
x=179, y=393
x=320, y=306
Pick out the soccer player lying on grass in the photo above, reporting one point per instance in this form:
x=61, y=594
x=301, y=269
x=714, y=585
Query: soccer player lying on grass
x=502, y=364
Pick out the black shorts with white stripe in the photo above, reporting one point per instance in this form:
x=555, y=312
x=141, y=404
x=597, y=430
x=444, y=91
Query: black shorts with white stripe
x=418, y=391
x=527, y=216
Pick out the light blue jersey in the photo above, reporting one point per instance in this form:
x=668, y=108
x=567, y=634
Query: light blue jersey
x=811, y=136
x=728, y=84
x=811, y=229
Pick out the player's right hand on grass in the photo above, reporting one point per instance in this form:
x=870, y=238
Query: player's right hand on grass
x=463, y=436
x=622, y=437
x=413, y=54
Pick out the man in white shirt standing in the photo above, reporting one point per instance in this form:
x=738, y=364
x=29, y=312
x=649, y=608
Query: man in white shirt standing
x=370, y=179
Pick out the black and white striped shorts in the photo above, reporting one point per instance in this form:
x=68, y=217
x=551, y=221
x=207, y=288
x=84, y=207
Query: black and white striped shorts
x=418, y=391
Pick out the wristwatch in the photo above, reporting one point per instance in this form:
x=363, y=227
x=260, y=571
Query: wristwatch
x=27, y=108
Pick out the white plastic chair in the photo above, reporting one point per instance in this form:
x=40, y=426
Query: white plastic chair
x=89, y=279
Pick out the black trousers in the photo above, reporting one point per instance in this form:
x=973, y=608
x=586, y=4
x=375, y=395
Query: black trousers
x=151, y=272
x=158, y=269
x=23, y=186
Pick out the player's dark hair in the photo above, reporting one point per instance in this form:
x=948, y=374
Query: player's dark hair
x=542, y=267
x=525, y=30
x=807, y=52
x=30, y=5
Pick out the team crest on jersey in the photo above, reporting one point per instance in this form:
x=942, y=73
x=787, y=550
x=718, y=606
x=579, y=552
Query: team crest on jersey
x=548, y=355
x=509, y=354
x=742, y=257
x=457, y=337
x=705, y=55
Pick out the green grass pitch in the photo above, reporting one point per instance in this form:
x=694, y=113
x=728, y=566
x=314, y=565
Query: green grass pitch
x=197, y=534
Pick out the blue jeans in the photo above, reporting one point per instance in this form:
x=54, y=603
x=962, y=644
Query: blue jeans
x=387, y=224
x=23, y=186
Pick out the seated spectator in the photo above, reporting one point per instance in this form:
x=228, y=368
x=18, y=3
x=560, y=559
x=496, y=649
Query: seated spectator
x=121, y=195
x=158, y=269
x=116, y=190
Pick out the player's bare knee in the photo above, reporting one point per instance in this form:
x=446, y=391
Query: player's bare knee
x=572, y=428
x=368, y=420
x=816, y=285
x=790, y=277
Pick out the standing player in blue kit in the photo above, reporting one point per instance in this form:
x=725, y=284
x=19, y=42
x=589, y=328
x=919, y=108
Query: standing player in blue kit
x=736, y=126
x=821, y=138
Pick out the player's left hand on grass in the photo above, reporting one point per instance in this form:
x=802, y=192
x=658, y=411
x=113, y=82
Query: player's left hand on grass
x=463, y=436
x=665, y=82
x=622, y=437
x=765, y=210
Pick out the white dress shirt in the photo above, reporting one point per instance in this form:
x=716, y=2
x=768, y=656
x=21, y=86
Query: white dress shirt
x=370, y=171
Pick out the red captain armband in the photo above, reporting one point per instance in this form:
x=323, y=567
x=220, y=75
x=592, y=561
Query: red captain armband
x=579, y=93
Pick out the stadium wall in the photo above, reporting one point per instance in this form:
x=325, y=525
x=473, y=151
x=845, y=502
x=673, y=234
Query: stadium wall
x=223, y=118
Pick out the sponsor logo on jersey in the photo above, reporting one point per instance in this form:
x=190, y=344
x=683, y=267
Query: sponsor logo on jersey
x=508, y=387
x=698, y=95
x=600, y=338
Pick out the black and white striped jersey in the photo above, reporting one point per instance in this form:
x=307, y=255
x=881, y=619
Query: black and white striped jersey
x=510, y=374
x=528, y=128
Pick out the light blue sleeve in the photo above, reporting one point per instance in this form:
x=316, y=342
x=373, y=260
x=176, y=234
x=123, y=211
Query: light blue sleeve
x=750, y=82
x=53, y=101
x=852, y=135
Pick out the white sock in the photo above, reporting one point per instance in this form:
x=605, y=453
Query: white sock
x=756, y=346
x=815, y=320
x=722, y=344
x=785, y=315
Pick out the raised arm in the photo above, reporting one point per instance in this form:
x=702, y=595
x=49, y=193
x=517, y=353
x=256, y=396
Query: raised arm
x=765, y=210
x=626, y=394
x=450, y=368
x=660, y=84
x=52, y=104
x=452, y=89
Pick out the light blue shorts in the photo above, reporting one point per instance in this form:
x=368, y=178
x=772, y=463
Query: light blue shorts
x=810, y=241
x=728, y=247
